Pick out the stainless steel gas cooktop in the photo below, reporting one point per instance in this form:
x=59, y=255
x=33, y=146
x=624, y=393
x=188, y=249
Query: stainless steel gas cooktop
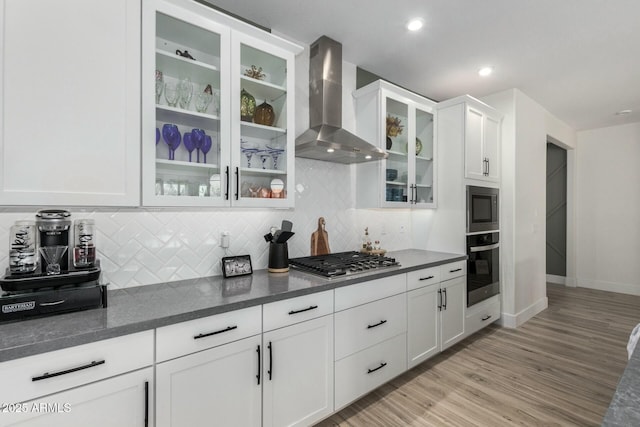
x=342, y=263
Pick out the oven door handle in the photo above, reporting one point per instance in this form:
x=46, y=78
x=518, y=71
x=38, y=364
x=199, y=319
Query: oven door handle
x=484, y=248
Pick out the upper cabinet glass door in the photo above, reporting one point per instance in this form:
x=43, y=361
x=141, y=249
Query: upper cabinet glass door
x=424, y=155
x=397, y=174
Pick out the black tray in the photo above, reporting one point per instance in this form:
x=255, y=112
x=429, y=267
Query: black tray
x=24, y=282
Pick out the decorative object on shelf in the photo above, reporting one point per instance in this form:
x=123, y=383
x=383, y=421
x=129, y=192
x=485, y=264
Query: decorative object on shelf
x=171, y=94
x=320, y=239
x=392, y=174
x=206, y=146
x=236, y=266
x=184, y=54
x=248, y=149
x=247, y=106
x=157, y=136
x=275, y=154
x=389, y=143
x=208, y=90
x=203, y=99
x=277, y=188
x=418, y=146
x=159, y=85
x=186, y=92
x=394, y=126
x=197, y=135
x=264, y=114
x=215, y=186
x=172, y=137
x=254, y=72
x=264, y=156
x=188, y=142
x=366, y=240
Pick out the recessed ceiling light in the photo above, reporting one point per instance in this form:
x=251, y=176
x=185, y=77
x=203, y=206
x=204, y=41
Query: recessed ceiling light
x=330, y=150
x=368, y=156
x=623, y=112
x=485, y=71
x=415, y=24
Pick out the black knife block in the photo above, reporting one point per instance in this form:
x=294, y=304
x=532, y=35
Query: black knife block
x=278, y=257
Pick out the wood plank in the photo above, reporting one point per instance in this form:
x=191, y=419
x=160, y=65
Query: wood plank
x=560, y=368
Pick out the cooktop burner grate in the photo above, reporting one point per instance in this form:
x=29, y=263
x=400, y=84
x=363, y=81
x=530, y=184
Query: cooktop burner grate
x=342, y=263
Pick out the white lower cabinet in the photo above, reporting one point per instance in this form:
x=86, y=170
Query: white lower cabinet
x=454, y=302
x=362, y=372
x=123, y=401
x=298, y=373
x=481, y=314
x=220, y=385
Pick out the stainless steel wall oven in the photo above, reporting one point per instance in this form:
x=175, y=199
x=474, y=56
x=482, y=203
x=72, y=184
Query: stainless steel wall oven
x=483, y=267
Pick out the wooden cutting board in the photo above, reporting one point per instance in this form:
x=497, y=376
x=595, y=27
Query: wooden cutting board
x=320, y=239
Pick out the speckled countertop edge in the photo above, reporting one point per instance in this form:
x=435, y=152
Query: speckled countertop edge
x=143, y=308
x=624, y=409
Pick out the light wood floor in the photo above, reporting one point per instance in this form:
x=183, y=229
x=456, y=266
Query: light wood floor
x=560, y=368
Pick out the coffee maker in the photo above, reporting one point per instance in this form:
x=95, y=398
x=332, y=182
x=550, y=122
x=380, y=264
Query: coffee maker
x=53, y=231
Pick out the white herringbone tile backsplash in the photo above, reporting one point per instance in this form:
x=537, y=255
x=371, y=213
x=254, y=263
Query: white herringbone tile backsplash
x=146, y=246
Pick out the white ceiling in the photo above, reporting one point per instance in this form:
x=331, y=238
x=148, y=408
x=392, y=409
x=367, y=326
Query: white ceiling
x=580, y=59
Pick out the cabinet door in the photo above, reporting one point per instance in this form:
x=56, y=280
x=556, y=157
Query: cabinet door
x=70, y=113
x=263, y=116
x=454, y=302
x=124, y=401
x=492, y=147
x=474, y=156
x=298, y=373
x=185, y=131
x=398, y=173
x=423, y=194
x=423, y=330
x=221, y=384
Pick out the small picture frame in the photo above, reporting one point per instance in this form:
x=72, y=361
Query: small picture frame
x=233, y=266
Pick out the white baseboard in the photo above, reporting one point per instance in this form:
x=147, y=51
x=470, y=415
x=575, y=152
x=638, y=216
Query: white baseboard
x=558, y=280
x=623, y=288
x=514, y=320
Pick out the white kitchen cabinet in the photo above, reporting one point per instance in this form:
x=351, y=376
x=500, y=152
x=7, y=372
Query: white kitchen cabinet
x=123, y=401
x=407, y=178
x=482, y=314
x=436, y=311
x=298, y=369
x=221, y=50
x=70, y=113
x=220, y=385
x=479, y=129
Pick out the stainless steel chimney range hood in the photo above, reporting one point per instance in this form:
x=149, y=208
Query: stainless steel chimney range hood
x=326, y=139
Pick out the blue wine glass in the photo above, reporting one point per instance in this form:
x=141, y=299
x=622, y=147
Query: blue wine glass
x=197, y=135
x=206, y=146
x=169, y=132
x=157, y=136
x=189, y=144
x=175, y=142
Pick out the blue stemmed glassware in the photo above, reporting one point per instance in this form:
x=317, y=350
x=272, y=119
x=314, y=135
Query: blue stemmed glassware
x=188, y=142
x=157, y=136
x=275, y=154
x=172, y=137
x=206, y=146
x=197, y=136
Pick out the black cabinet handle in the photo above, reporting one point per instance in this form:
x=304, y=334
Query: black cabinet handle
x=226, y=194
x=47, y=375
x=486, y=318
x=270, y=371
x=227, y=329
x=146, y=404
x=259, y=367
x=382, y=322
x=488, y=167
x=382, y=365
x=439, y=299
x=237, y=194
x=453, y=271
x=444, y=304
x=426, y=278
x=311, y=307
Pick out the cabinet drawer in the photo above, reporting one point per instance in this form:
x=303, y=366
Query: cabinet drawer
x=421, y=278
x=200, y=334
x=362, y=293
x=453, y=270
x=369, y=324
x=362, y=372
x=294, y=310
x=47, y=373
x=482, y=314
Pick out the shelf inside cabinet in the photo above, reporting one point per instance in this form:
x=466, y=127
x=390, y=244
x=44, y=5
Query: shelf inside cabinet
x=255, y=130
x=423, y=186
x=428, y=159
x=168, y=114
x=177, y=165
x=262, y=90
x=256, y=171
x=396, y=153
x=176, y=66
x=399, y=183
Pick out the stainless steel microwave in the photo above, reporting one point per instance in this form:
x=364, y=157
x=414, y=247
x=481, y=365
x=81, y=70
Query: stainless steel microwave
x=482, y=209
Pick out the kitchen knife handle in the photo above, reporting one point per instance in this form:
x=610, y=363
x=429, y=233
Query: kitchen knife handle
x=311, y=307
x=47, y=375
x=259, y=367
x=226, y=194
x=227, y=329
x=237, y=183
x=382, y=365
x=270, y=371
x=146, y=404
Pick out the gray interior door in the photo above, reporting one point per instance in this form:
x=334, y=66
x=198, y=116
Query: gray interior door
x=556, y=210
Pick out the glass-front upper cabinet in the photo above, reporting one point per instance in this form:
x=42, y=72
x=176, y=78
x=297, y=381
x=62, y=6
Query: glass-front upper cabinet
x=402, y=123
x=215, y=103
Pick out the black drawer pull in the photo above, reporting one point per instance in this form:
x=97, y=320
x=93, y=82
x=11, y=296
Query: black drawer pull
x=312, y=307
x=426, y=278
x=486, y=318
x=382, y=365
x=227, y=329
x=453, y=271
x=382, y=322
x=47, y=375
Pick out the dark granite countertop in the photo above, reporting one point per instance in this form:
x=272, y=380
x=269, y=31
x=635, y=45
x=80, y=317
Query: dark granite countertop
x=142, y=308
x=624, y=409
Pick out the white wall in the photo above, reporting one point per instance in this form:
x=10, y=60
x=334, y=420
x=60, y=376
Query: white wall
x=608, y=209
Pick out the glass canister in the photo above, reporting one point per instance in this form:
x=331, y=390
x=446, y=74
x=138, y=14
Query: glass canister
x=84, y=251
x=22, y=247
x=247, y=106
